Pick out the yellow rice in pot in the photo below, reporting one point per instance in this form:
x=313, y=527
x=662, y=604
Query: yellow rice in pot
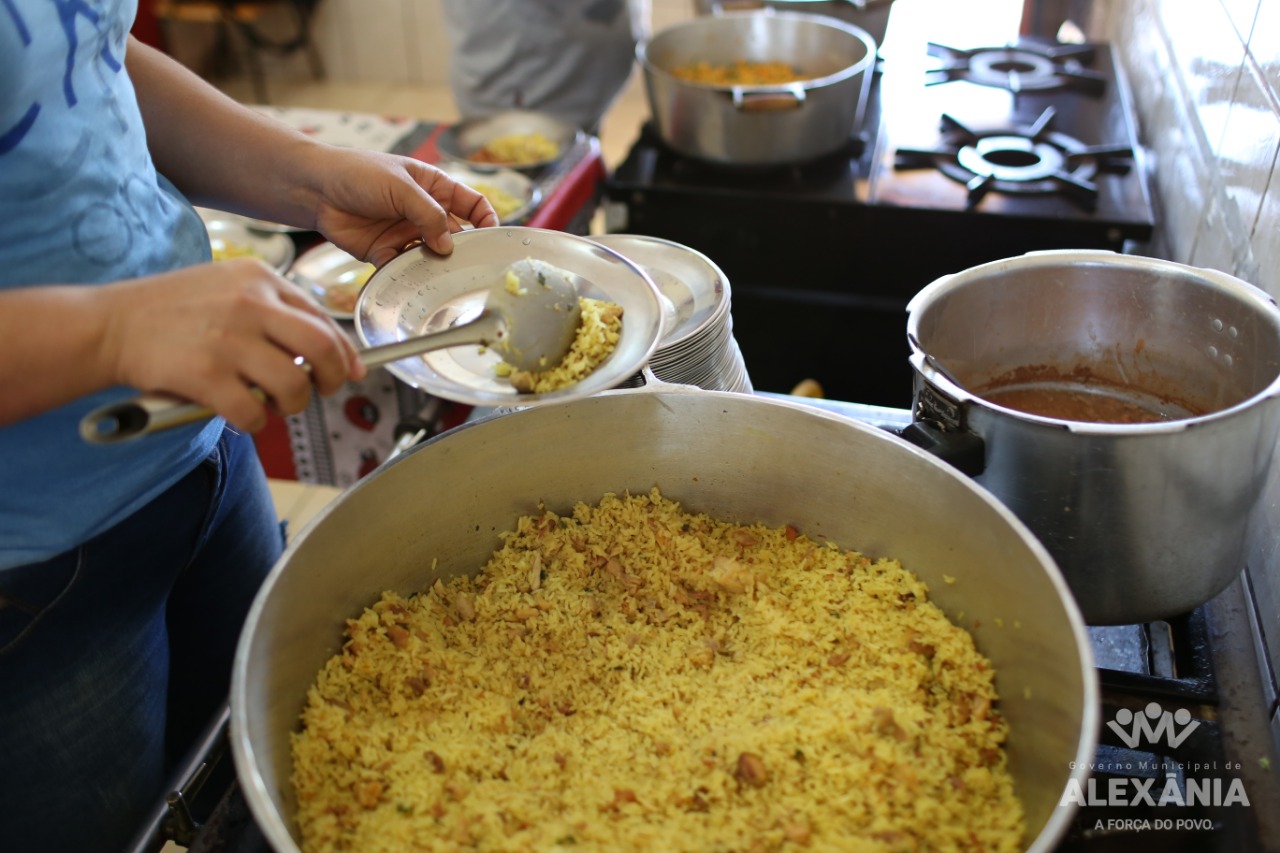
x=637, y=677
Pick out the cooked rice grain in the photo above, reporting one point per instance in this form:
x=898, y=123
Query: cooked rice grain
x=633, y=676
x=597, y=337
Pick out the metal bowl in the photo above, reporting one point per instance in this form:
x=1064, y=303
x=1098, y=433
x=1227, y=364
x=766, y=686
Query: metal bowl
x=330, y=274
x=435, y=512
x=420, y=292
x=263, y=225
x=509, y=181
x=764, y=125
x=463, y=140
x=231, y=237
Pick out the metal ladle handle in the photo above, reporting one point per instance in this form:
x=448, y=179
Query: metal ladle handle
x=149, y=413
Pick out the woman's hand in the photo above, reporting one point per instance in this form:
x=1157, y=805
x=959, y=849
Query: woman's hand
x=213, y=332
x=373, y=205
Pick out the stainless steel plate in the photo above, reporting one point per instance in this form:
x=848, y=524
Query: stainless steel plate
x=696, y=287
x=420, y=291
x=249, y=222
x=509, y=181
x=462, y=140
x=333, y=277
x=229, y=236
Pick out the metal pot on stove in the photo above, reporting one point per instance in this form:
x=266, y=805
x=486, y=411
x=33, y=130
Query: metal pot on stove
x=1123, y=407
x=759, y=125
x=436, y=512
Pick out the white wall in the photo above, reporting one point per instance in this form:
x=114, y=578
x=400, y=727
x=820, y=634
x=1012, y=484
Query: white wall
x=383, y=41
x=404, y=41
x=1206, y=79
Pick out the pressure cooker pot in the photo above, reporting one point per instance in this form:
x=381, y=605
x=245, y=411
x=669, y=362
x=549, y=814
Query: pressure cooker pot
x=438, y=510
x=1123, y=407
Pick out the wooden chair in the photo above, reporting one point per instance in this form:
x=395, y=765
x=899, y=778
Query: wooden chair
x=239, y=23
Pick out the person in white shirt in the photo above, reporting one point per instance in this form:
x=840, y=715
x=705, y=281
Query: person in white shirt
x=568, y=58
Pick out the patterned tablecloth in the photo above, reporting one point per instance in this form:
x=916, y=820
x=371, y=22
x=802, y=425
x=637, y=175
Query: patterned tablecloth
x=342, y=437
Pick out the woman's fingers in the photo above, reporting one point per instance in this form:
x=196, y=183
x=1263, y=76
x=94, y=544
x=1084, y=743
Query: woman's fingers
x=227, y=335
x=373, y=205
x=330, y=351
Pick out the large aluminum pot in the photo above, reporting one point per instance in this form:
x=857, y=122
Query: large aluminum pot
x=1146, y=520
x=759, y=125
x=869, y=15
x=734, y=456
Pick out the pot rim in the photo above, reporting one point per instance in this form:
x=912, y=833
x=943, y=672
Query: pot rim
x=924, y=364
x=862, y=65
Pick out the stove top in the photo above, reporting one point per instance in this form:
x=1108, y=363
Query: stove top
x=1031, y=130
x=963, y=157
x=1018, y=160
x=1062, y=133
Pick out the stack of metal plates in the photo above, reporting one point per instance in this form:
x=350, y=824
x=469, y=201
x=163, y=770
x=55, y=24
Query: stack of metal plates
x=697, y=346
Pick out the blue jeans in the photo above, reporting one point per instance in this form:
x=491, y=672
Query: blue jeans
x=115, y=655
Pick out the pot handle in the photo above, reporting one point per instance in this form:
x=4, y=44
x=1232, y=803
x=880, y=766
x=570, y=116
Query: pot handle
x=758, y=102
x=721, y=6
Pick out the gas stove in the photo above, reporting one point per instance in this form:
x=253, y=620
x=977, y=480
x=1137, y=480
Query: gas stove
x=964, y=157
x=1034, y=131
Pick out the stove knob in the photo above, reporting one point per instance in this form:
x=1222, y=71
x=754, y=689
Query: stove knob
x=361, y=412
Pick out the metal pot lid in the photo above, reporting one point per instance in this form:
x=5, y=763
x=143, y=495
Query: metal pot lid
x=420, y=292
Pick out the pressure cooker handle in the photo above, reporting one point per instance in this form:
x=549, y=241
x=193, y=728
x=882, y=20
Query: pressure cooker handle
x=963, y=450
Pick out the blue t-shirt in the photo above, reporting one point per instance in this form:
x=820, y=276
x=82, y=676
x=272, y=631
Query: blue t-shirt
x=81, y=202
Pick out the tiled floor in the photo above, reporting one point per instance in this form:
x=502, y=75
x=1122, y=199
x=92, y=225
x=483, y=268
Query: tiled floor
x=297, y=503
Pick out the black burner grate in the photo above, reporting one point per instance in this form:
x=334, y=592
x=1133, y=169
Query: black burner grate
x=1033, y=159
x=1026, y=66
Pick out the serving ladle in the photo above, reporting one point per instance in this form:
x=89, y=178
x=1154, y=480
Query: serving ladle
x=530, y=319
